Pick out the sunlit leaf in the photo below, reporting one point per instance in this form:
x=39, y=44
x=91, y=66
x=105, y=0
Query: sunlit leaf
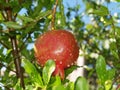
x=108, y=84
x=48, y=70
x=31, y=70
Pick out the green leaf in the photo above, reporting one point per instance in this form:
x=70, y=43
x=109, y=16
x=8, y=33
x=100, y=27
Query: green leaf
x=42, y=14
x=34, y=75
x=70, y=86
x=29, y=87
x=59, y=87
x=26, y=19
x=102, y=11
x=111, y=74
x=17, y=86
x=48, y=70
x=81, y=84
x=55, y=81
x=11, y=24
x=70, y=70
x=101, y=69
x=108, y=84
x=118, y=0
x=1, y=17
x=115, y=54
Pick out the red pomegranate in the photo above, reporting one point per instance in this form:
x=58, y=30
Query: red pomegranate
x=59, y=45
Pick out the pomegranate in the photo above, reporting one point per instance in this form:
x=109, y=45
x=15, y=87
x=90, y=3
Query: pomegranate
x=59, y=45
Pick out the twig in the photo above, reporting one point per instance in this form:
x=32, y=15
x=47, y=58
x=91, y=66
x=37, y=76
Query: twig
x=7, y=67
x=53, y=15
x=5, y=86
x=27, y=37
x=6, y=46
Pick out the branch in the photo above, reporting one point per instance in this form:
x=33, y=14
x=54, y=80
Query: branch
x=15, y=49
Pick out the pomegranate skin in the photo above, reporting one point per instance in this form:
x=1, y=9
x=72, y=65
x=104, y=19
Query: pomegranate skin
x=58, y=45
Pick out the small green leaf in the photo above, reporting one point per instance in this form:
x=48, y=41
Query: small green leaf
x=11, y=24
x=101, y=69
x=89, y=26
x=48, y=70
x=81, y=84
x=108, y=84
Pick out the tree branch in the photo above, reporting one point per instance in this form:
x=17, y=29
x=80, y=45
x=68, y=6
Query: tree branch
x=15, y=49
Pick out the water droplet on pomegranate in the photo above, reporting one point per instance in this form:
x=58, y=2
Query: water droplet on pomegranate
x=70, y=54
x=55, y=60
x=68, y=65
x=60, y=62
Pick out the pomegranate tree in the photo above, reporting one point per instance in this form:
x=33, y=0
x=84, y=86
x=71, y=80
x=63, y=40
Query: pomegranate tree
x=58, y=45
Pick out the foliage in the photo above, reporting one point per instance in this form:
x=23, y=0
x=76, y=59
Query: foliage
x=96, y=28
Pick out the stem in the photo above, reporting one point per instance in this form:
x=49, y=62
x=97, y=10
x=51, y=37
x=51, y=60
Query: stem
x=53, y=15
